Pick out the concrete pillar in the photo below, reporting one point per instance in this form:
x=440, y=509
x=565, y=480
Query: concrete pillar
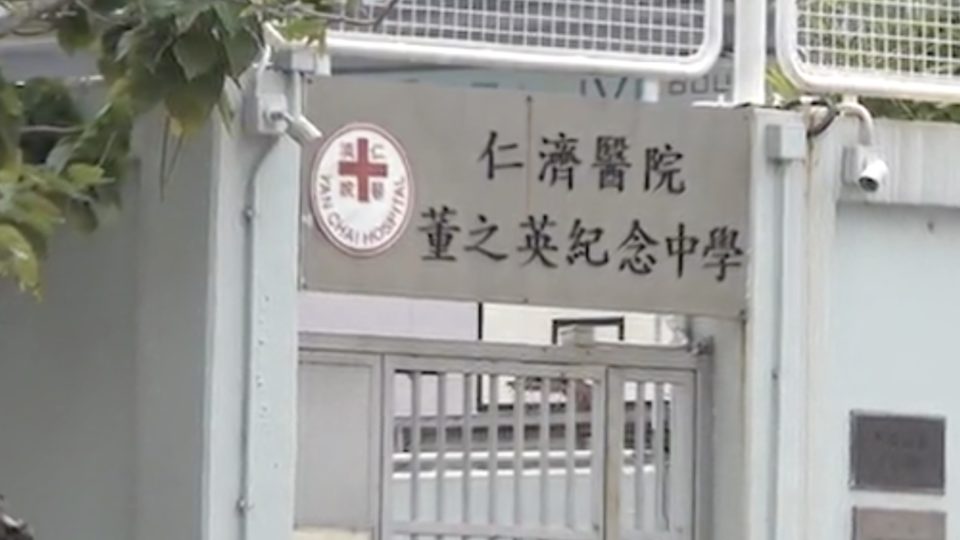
x=123, y=394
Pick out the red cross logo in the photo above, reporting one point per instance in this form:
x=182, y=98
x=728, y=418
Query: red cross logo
x=363, y=169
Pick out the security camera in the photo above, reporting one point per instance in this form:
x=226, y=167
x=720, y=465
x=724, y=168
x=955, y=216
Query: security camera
x=873, y=175
x=864, y=169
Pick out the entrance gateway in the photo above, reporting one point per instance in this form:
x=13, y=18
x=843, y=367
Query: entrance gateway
x=507, y=197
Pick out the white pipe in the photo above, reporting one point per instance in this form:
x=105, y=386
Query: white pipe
x=867, y=125
x=302, y=131
x=249, y=413
x=750, y=52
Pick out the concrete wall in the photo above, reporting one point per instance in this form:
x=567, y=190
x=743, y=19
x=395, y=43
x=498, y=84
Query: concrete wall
x=103, y=389
x=894, y=310
x=67, y=389
x=868, y=309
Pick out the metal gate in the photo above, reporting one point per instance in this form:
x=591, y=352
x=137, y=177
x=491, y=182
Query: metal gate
x=555, y=443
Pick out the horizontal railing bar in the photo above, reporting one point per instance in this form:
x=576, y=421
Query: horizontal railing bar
x=509, y=473
x=528, y=464
x=598, y=354
x=403, y=457
x=659, y=535
x=506, y=416
x=497, y=366
x=489, y=531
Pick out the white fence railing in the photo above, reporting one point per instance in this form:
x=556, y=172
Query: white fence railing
x=669, y=37
x=524, y=463
x=895, y=48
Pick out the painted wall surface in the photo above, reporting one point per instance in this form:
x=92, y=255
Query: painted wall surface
x=103, y=394
x=67, y=390
x=121, y=394
x=892, y=326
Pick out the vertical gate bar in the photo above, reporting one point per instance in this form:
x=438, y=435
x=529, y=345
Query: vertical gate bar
x=613, y=454
x=518, y=440
x=675, y=438
x=544, y=449
x=669, y=458
x=639, y=453
x=598, y=446
x=492, y=445
x=570, y=451
x=441, y=442
x=467, y=438
x=682, y=452
x=388, y=448
x=416, y=378
x=658, y=455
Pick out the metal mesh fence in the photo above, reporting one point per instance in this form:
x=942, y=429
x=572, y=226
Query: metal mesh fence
x=906, y=47
x=667, y=31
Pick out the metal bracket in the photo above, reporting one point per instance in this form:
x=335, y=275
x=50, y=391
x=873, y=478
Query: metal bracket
x=785, y=142
x=272, y=105
x=301, y=60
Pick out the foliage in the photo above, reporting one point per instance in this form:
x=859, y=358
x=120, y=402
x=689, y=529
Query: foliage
x=57, y=166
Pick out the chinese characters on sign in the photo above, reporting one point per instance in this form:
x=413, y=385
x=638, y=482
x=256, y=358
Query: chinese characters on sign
x=540, y=239
x=535, y=240
x=560, y=161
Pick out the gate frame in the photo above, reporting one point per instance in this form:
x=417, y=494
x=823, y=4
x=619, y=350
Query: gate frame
x=694, y=359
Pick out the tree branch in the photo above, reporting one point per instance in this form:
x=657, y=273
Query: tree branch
x=14, y=15
x=50, y=130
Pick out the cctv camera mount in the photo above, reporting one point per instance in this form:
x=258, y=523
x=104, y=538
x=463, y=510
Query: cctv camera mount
x=863, y=168
x=269, y=108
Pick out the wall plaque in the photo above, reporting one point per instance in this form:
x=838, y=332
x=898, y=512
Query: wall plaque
x=881, y=524
x=897, y=453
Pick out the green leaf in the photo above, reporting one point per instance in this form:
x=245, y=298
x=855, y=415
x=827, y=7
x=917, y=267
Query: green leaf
x=312, y=30
x=74, y=31
x=58, y=157
x=229, y=16
x=18, y=259
x=160, y=8
x=196, y=51
x=85, y=175
x=186, y=20
x=36, y=212
x=126, y=42
x=37, y=240
x=11, y=119
x=147, y=44
x=106, y=6
x=190, y=104
x=147, y=87
x=241, y=49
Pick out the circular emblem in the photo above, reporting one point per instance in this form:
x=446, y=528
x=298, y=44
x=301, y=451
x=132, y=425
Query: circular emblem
x=362, y=190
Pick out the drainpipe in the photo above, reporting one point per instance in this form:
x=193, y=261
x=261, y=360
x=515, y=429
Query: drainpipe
x=273, y=108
